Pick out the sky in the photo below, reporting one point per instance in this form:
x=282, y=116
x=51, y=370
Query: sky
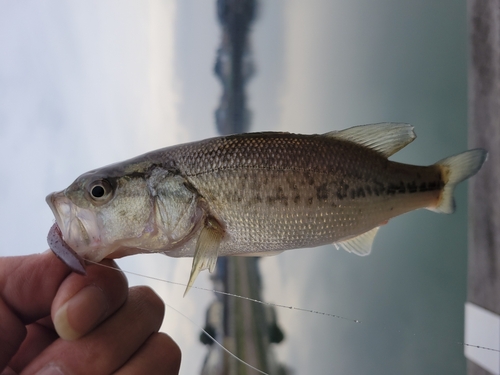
x=86, y=84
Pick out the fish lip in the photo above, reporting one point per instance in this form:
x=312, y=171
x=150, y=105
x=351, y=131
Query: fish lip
x=61, y=208
x=78, y=225
x=50, y=201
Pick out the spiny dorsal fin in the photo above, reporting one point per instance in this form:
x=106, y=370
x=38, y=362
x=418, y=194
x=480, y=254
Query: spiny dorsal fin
x=207, y=248
x=360, y=245
x=386, y=137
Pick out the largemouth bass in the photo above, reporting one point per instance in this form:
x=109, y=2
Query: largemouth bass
x=254, y=194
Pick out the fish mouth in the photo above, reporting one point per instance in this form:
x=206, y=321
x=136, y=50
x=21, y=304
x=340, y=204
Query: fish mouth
x=79, y=226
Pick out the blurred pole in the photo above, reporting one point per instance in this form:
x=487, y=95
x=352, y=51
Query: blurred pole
x=484, y=131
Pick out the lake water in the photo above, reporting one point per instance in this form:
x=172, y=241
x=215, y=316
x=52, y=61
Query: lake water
x=86, y=85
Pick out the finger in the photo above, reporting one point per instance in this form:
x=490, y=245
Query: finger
x=8, y=371
x=37, y=339
x=28, y=284
x=159, y=355
x=12, y=334
x=83, y=302
x=111, y=344
x=26, y=293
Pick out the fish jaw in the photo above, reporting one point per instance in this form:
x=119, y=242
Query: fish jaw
x=79, y=226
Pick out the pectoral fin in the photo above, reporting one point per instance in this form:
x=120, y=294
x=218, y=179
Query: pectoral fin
x=360, y=245
x=207, y=247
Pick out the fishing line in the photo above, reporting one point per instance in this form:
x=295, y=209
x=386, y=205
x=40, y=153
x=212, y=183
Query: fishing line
x=218, y=343
x=478, y=347
x=182, y=314
x=288, y=307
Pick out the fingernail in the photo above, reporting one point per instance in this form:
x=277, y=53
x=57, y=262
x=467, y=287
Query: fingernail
x=81, y=313
x=50, y=369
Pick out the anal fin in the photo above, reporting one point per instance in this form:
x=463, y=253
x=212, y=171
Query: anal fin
x=207, y=248
x=360, y=245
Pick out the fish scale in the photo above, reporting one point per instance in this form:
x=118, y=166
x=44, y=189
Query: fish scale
x=270, y=196
x=253, y=194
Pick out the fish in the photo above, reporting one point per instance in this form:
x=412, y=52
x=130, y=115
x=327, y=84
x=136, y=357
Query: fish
x=253, y=194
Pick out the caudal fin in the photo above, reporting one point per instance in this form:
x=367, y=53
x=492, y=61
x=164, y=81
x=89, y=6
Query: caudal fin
x=456, y=169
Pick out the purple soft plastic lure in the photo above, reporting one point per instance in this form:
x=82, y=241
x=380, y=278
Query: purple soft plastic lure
x=62, y=250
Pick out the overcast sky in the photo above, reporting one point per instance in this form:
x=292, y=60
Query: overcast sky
x=86, y=84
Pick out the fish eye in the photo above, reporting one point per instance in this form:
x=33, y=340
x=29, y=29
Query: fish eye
x=97, y=191
x=100, y=190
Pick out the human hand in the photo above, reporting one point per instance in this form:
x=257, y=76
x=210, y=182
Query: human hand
x=59, y=322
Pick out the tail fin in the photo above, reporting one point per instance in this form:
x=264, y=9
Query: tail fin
x=456, y=169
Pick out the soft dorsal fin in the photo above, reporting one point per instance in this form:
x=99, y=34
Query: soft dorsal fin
x=207, y=249
x=386, y=137
x=360, y=245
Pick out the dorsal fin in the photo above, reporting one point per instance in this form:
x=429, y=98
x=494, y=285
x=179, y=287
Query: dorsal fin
x=360, y=245
x=386, y=138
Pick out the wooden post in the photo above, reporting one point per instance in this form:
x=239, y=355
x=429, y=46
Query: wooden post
x=484, y=131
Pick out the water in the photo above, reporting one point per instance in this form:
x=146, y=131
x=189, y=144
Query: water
x=87, y=85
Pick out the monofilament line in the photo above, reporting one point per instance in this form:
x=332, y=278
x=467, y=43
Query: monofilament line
x=258, y=301
x=478, y=347
x=185, y=316
x=235, y=295
x=214, y=340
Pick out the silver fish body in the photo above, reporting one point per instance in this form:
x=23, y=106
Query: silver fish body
x=255, y=194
